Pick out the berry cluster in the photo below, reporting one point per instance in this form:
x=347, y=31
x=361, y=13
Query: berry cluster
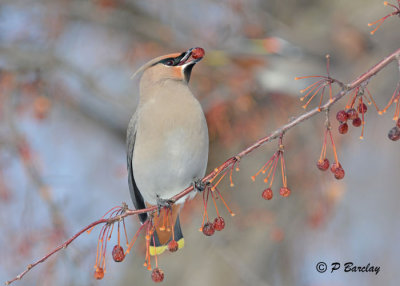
x=356, y=114
x=207, y=227
x=323, y=162
x=270, y=168
x=159, y=221
x=318, y=86
x=218, y=224
x=352, y=115
x=104, y=236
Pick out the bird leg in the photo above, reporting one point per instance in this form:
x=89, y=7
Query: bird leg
x=164, y=203
x=199, y=185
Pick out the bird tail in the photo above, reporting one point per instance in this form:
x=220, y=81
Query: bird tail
x=163, y=233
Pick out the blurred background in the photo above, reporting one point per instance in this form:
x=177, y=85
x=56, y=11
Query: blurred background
x=66, y=98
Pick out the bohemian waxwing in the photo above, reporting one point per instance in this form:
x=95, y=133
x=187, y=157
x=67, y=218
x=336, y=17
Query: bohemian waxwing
x=167, y=142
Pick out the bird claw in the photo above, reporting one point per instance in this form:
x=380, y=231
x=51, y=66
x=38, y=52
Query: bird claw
x=199, y=185
x=163, y=203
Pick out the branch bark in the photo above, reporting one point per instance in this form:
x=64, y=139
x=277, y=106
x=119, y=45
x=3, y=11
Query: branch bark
x=361, y=80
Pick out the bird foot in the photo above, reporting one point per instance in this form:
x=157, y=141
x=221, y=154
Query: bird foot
x=199, y=185
x=163, y=203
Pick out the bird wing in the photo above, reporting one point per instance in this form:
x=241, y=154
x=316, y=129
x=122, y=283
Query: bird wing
x=133, y=189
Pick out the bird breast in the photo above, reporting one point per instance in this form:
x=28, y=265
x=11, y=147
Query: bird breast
x=171, y=147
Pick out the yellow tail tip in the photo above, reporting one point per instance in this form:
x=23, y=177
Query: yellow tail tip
x=157, y=250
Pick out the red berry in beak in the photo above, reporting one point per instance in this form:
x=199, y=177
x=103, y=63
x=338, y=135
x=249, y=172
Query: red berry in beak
x=198, y=53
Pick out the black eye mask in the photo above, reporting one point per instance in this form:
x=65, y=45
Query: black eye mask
x=172, y=61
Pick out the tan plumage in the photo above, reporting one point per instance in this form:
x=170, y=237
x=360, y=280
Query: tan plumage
x=167, y=136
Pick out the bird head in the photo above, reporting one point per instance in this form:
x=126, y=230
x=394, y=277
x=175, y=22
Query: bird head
x=177, y=66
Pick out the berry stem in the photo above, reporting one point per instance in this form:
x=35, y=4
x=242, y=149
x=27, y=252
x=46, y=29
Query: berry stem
x=117, y=207
x=220, y=179
x=362, y=116
x=215, y=204
x=222, y=199
x=205, y=210
x=372, y=100
x=323, y=151
x=310, y=76
x=230, y=176
x=119, y=235
x=334, y=148
x=283, y=169
x=264, y=168
x=314, y=94
x=136, y=236
x=208, y=193
x=322, y=96
x=155, y=256
x=169, y=214
x=273, y=169
x=315, y=84
x=126, y=235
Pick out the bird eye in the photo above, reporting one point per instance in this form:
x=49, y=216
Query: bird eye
x=170, y=63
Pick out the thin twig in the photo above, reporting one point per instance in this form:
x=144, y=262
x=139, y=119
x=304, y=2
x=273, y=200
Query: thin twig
x=231, y=161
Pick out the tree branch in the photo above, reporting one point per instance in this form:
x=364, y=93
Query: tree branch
x=362, y=79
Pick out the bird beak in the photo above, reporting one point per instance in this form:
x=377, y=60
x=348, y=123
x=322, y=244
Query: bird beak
x=192, y=56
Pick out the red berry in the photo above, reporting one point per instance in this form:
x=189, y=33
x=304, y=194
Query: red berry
x=208, y=229
x=219, y=223
x=357, y=122
x=284, y=192
x=339, y=173
x=362, y=108
x=334, y=167
x=173, y=246
x=118, y=253
x=343, y=128
x=198, y=53
x=394, y=133
x=323, y=165
x=267, y=194
x=157, y=275
x=352, y=114
x=398, y=123
x=341, y=116
x=99, y=273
